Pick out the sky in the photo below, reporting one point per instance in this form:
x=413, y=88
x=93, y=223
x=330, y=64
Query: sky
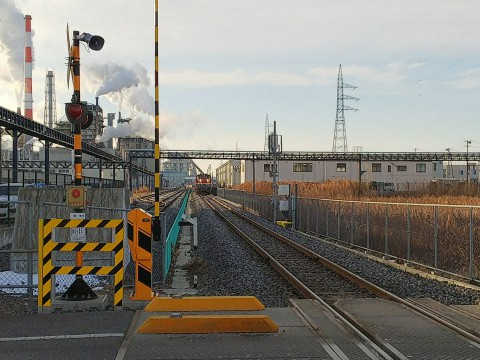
x=224, y=65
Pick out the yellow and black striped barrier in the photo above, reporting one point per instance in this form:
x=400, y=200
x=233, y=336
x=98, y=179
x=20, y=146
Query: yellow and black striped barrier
x=139, y=234
x=47, y=245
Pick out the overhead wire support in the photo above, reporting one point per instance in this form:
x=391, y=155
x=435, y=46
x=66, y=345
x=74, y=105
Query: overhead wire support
x=340, y=133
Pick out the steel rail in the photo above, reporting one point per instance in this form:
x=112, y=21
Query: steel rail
x=382, y=293
x=378, y=347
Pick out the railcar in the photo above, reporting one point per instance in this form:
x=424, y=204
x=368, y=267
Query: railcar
x=203, y=184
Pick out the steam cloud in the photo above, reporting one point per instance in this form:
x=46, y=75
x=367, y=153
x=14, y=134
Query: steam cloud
x=126, y=86
x=116, y=77
x=12, y=35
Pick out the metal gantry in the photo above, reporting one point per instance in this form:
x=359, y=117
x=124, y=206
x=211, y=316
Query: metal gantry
x=306, y=156
x=14, y=122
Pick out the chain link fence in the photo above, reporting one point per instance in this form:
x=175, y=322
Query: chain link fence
x=440, y=237
x=19, y=258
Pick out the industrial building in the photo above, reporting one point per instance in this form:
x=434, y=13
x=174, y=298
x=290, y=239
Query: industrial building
x=386, y=175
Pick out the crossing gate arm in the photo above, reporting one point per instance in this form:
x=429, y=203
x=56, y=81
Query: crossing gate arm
x=46, y=246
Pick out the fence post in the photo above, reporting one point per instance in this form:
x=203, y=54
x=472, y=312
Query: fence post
x=338, y=220
x=351, y=223
x=471, y=268
x=435, y=229
x=386, y=229
x=368, y=225
x=328, y=213
x=408, y=233
x=29, y=254
x=308, y=215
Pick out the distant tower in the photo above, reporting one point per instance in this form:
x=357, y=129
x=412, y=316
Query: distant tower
x=267, y=133
x=50, y=113
x=340, y=135
x=28, y=68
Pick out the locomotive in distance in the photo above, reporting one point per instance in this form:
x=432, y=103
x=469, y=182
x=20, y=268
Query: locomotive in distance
x=203, y=184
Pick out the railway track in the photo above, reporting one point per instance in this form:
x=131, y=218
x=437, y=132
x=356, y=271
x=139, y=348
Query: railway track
x=324, y=281
x=167, y=197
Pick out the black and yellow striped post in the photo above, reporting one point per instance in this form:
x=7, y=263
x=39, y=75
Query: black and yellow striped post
x=47, y=246
x=79, y=289
x=156, y=231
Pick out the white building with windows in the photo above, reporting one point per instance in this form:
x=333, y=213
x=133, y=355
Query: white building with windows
x=458, y=171
x=386, y=175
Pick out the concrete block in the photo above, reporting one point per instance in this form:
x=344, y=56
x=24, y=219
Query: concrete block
x=50, y=203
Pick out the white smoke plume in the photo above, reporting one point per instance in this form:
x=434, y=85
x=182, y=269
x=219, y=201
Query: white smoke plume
x=12, y=39
x=115, y=77
x=128, y=87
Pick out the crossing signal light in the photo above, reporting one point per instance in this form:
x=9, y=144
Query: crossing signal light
x=78, y=114
x=89, y=120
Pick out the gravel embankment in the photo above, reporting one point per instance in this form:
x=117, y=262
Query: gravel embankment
x=226, y=265
x=398, y=282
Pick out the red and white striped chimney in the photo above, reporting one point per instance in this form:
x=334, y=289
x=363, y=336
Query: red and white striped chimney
x=28, y=68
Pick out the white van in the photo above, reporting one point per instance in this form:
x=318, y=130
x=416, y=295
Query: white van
x=8, y=204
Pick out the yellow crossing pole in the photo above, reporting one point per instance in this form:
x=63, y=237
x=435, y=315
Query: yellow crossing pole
x=156, y=219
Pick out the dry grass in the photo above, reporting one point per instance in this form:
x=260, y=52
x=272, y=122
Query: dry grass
x=141, y=190
x=464, y=194
x=452, y=227
x=452, y=222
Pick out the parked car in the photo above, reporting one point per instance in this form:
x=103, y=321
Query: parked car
x=8, y=199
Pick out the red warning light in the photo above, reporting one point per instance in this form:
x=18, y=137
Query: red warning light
x=73, y=111
x=76, y=193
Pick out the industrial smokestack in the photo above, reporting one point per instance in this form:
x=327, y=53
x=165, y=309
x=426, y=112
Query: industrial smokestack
x=28, y=68
x=110, y=118
x=97, y=120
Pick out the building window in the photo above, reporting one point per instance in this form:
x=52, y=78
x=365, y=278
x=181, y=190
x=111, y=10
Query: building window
x=461, y=172
x=302, y=167
x=402, y=168
x=266, y=167
x=421, y=167
x=376, y=167
x=341, y=167
x=389, y=168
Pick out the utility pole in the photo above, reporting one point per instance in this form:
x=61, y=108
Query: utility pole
x=449, y=164
x=468, y=174
x=274, y=171
x=274, y=148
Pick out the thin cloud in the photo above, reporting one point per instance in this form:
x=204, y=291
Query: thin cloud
x=319, y=76
x=468, y=79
